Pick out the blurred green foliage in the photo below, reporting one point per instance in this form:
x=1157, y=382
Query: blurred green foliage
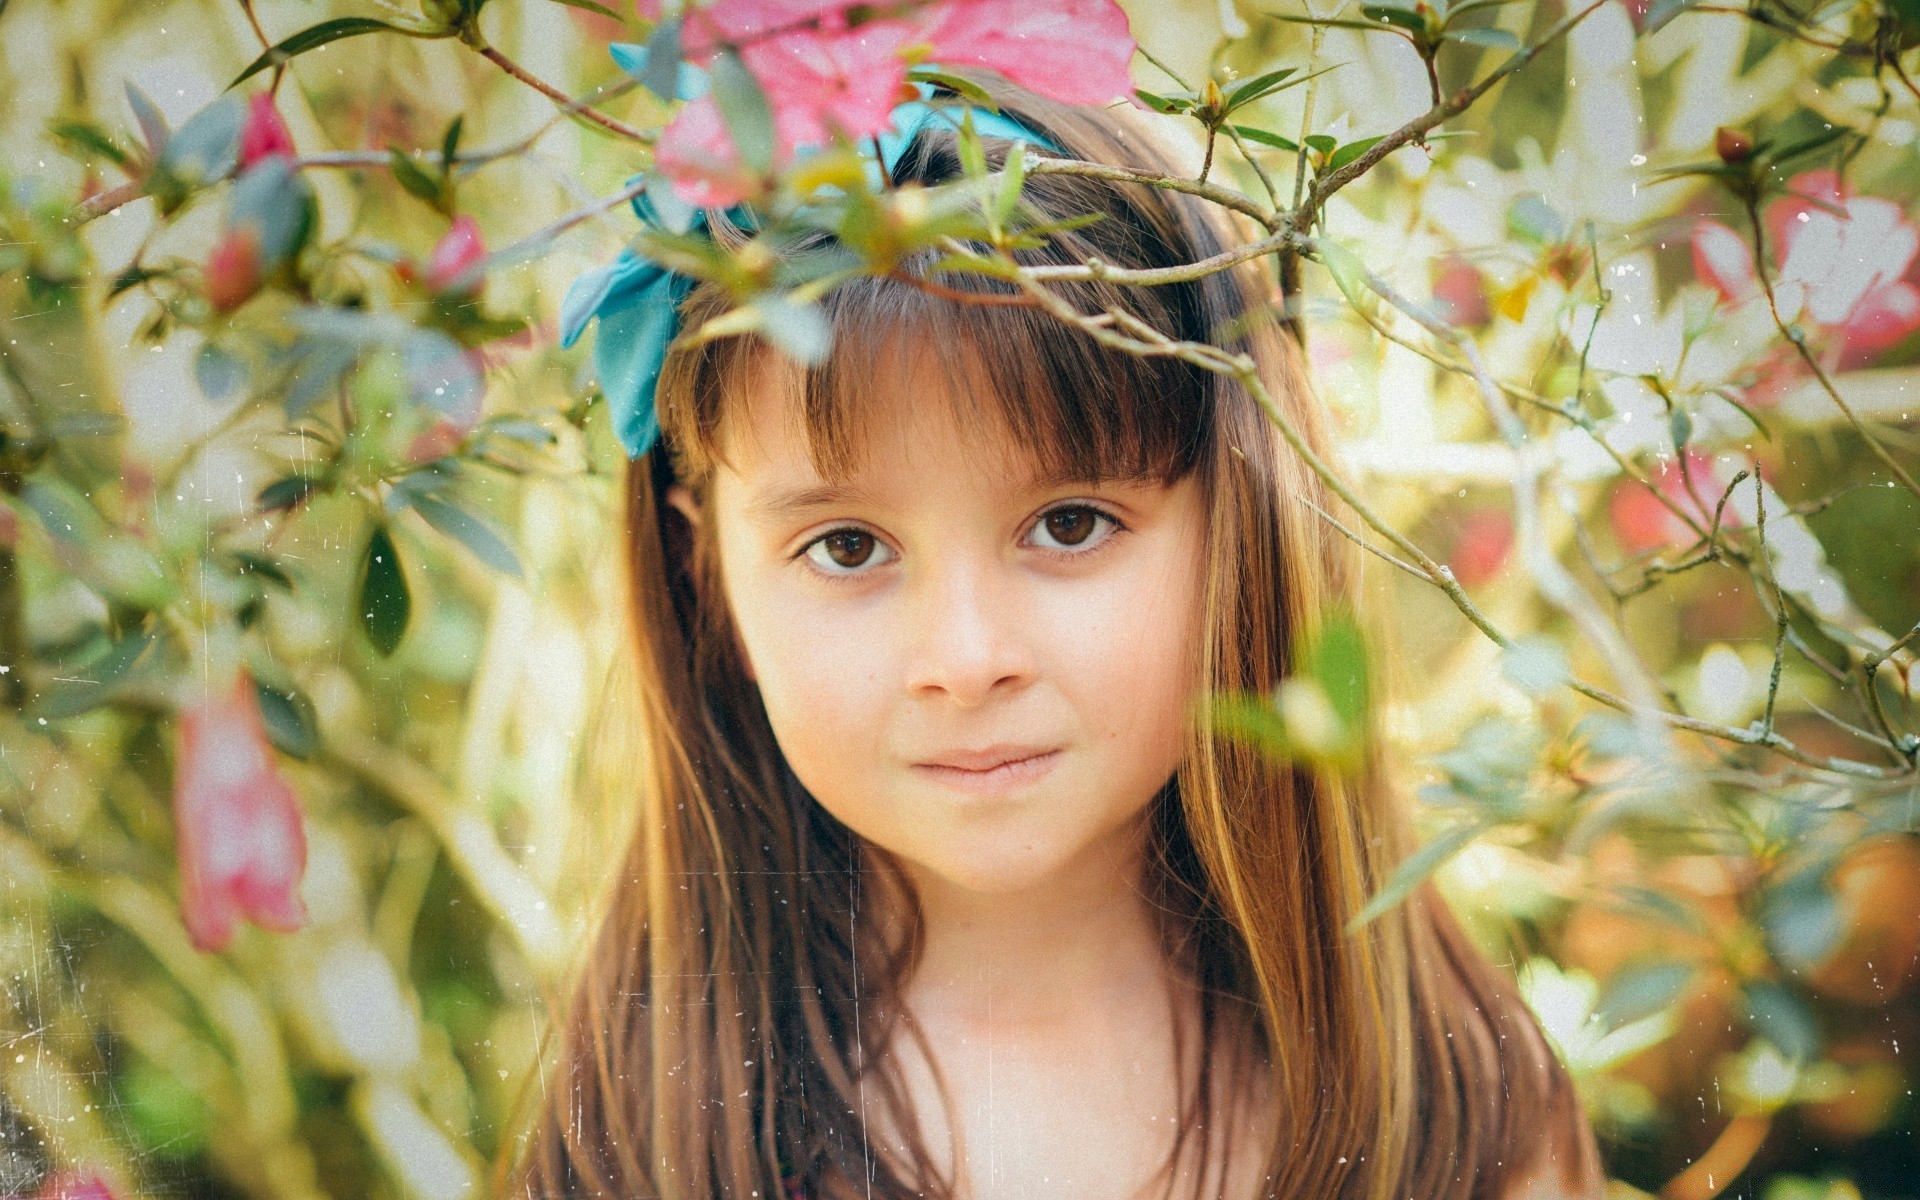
x=300, y=424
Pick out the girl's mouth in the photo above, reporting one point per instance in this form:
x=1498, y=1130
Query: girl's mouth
x=1007, y=775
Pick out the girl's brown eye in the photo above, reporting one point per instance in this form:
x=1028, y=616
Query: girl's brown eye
x=848, y=547
x=1071, y=526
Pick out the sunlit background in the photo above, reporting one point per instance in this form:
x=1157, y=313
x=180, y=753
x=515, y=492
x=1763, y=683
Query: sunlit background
x=1723, y=947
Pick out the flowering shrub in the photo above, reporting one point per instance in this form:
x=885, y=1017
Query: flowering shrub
x=304, y=514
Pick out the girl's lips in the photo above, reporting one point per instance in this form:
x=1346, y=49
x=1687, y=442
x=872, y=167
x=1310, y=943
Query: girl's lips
x=1006, y=777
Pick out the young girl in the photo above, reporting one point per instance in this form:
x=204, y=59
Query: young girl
x=940, y=885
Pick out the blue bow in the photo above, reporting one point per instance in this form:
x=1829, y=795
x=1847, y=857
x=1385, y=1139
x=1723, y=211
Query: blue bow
x=638, y=300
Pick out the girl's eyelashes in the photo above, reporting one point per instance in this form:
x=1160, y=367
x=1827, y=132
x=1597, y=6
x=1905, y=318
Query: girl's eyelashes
x=1073, y=529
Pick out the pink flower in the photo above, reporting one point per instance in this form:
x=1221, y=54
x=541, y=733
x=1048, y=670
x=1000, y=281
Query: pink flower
x=1460, y=292
x=234, y=270
x=460, y=248
x=1641, y=522
x=264, y=134
x=1481, y=548
x=74, y=1185
x=1842, y=261
x=1073, y=51
x=825, y=72
x=241, y=844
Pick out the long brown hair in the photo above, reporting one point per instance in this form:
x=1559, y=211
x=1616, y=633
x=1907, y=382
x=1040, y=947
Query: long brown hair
x=727, y=1031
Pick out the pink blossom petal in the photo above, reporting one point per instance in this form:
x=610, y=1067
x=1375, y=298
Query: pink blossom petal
x=459, y=248
x=241, y=845
x=1884, y=318
x=742, y=22
x=75, y=1185
x=1073, y=51
x=264, y=134
x=1479, y=551
x=696, y=152
x=818, y=82
x=1722, y=259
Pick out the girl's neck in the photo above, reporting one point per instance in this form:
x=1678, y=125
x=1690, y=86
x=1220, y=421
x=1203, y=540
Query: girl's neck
x=1009, y=962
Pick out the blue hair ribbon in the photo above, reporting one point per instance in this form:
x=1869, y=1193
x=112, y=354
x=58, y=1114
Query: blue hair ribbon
x=637, y=300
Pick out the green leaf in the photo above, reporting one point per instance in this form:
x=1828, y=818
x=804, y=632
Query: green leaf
x=590, y=6
x=662, y=73
x=973, y=156
x=261, y=565
x=92, y=685
x=1782, y=1018
x=313, y=38
x=292, y=725
x=801, y=331
x=1535, y=665
x=1641, y=991
x=1803, y=919
x=1661, y=11
x=207, y=147
x=414, y=178
x=1496, y=39
x=450, y=145
x=1164, y=104
x=153, y=126
x=384, y=602
x=1351, y=151
x=89, y=139
x=470, y=531
x=1012, y=178
x=1345, y=23
x=1680, y=427
x=966, y=89
x=1253, y=721
x=1321, y=142
x=1264, y=138
x=1417, y=866
x=520, y=430
x=1401, y=18
x=1349, y=274
x=1256, y=87
x=1339, y=663
x=1532, y=219
x=744, y=105
x=218, y=372
x=278, y=203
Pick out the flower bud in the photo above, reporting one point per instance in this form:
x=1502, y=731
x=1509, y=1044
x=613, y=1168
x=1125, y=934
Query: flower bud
x=234, y=269
x=460, y=249
x=241, y=844
x=1733, y=146
x=264, y=134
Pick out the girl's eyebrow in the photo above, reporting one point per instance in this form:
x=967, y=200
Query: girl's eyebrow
x=774, y=503
x=777, y=502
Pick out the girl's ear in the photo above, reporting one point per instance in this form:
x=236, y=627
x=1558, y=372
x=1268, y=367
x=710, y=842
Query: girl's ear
x=682, y=499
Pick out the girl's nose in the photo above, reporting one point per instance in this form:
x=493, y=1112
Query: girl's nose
x=970, y=638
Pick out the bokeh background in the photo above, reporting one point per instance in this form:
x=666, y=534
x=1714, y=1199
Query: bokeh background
x=391, y=500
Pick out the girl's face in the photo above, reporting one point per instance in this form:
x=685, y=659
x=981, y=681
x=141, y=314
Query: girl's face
x=978, y=670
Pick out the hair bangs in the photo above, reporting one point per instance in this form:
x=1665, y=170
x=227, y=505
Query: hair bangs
x=1063, y=405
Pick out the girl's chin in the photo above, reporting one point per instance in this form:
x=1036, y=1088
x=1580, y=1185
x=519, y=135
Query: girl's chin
x=1008, y=863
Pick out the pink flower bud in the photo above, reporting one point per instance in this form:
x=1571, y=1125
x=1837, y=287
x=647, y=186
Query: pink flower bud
x=461, y=248
x=1460, y=292
x=237, y=825
x=233, y=270
x=265, y=134
x=74, y=1185
x=1481, y=549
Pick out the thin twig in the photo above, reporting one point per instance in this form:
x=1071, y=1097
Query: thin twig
x=610, y=124
x=1799, y=342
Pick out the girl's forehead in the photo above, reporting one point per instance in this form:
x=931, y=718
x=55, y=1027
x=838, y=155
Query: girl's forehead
x=913, y=418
